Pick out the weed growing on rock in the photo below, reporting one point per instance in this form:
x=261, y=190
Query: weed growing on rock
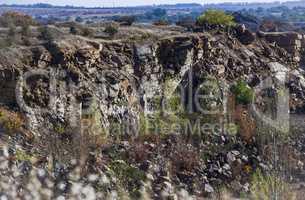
x=243, y=93
x=129, y=177
x=23, y=156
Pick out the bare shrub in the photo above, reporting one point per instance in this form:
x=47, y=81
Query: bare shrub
x=139, y=152
x=18, y=19
x=185, y=158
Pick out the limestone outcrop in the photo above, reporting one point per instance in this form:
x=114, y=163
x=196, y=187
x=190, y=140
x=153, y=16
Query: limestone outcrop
x=123, y=78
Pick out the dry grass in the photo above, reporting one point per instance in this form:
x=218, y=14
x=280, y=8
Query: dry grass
x=288, y=156
x=246, y=123
x=185, y=158
x=224, y=194
x=12, y=122
x=139, y=152
x=266, y=187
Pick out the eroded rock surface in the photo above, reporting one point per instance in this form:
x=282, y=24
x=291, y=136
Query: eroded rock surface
x=123, y=77
x=73, y=81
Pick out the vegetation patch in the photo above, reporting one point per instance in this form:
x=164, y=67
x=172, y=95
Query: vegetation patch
x=129, y=177
x=16, y=18
x=111, y=29
x=23, y=156
x=10, y=121
x=126, y=20
x=216, y=17
x=265, y=187
x=161, y=22
x=243, y=93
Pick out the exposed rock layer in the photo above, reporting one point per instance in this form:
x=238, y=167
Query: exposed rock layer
x=124, y=78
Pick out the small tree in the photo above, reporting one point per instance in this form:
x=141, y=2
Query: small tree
x=216, y=17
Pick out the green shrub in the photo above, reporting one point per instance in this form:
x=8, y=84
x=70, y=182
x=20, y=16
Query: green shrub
x=216, y=17
x=243, y=93
x=142, y=124
x=174, y=103
x=23, y=156
x=111, y=29
x=60, y=129
x=128, y=176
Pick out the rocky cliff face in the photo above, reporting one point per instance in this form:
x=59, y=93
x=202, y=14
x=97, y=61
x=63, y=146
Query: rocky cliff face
x=123, y=79
x=72, y=83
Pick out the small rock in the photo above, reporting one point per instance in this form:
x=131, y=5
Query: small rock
x=230, y=158
x=246, y=187
x=244, y=158
x=208, y=188
x=184, y=195
x=236, y=153
x=244, y=35
x=263, y=166
x=226, y=167
x=150, y=177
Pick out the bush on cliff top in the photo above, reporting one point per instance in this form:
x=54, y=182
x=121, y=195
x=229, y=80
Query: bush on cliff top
x=216, y=17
